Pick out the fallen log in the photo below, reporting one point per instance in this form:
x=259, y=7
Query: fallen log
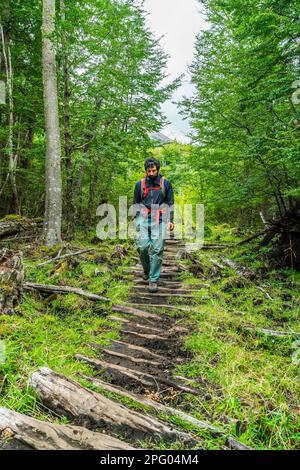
x=275, y=333
x=11, y=226
x=40, y=435
x=91, y=296
x=64, y=290
x=252, y=237
x=67, y=255
x=234, y=444
x=241, y=270
x=68, y=398
x=216, y=263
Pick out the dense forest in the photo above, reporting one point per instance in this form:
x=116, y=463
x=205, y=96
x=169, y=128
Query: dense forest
x=212, y=360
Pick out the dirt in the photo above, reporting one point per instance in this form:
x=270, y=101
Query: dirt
x=149, y=346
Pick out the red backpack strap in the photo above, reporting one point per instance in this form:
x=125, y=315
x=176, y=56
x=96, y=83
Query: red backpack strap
x=145, y=190
x=162, y=186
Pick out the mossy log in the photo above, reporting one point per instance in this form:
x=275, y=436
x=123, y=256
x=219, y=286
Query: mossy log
x=18, y=431
x=93, y=410
x=11, y=280
x=13, y=225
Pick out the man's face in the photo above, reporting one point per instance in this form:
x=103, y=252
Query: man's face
x=152, y=171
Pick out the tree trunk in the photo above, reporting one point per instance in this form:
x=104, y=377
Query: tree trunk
x=69, y=199
x=12, y=160
x=53, y=199
x=11, y=280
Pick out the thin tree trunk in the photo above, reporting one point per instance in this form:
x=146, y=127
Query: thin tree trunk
x=12, y=161
x=69, y=200
x=91, y=201
x=53, y=197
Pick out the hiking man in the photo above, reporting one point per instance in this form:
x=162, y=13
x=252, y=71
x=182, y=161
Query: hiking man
x=154, y=203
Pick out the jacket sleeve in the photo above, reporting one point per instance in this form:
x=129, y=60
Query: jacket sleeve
x=170, y=200
x=137, y=197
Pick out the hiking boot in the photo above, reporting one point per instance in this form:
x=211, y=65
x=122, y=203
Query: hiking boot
x=152, y=287
x=145, y=276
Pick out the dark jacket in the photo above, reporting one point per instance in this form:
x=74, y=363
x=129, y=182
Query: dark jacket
x=156, y=196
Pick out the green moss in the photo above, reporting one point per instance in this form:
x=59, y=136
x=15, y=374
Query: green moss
x=16, y=217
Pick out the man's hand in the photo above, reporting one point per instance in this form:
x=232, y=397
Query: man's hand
x=170, y=226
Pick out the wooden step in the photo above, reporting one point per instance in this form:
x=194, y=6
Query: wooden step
x=162, y=282
x=147, y=337
x=136, y=325
x=171, y=275
x=68, y=398
x=155, y=406
x=126, y=375
x=186, y=308
x=140, y=270
x=164, y=295
x=122, y=359
x=166, y=290
x=130, y=310
x=140, y=351
x=165, y=268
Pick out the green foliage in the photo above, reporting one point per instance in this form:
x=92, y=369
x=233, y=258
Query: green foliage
x=248, y=379
x=245, y=123
x=110, y=70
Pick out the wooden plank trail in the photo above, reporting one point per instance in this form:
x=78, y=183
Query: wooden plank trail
x=138, y=366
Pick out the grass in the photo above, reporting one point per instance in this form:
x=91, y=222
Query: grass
x=49, y=332
x=250, y=378
x=248, y=382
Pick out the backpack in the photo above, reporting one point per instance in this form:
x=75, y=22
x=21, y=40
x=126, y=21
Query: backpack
x=145, y=190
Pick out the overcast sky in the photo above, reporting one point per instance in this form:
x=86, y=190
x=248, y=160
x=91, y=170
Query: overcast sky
x=179, y=21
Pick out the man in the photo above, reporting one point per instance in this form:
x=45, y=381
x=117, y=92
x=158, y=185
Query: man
x=154, y=202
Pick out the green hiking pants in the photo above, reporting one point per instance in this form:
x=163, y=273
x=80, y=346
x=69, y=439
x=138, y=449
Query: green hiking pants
x=148, y=233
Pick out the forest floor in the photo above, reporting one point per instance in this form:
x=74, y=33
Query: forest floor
x=214, y=355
